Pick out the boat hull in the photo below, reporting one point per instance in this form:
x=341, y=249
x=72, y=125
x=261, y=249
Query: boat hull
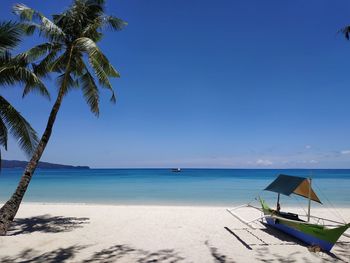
x=312, y=234
x=306, y=238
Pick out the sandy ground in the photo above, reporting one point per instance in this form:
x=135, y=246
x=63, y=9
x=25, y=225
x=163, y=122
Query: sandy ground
x=102, y=233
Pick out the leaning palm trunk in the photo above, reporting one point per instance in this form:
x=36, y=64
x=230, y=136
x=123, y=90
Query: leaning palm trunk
x=10, y=208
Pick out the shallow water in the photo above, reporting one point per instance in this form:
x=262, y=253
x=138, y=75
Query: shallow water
x=220, y=187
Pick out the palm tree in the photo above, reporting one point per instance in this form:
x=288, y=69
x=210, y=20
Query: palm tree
x=15, y=69
x=72, y=54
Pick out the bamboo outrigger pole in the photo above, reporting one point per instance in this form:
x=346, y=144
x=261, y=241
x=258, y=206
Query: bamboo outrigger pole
x=309, y=206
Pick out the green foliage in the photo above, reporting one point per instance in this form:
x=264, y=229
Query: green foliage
x=16, y=69
x=12, y=121
x=72, y=49
x=10, y=35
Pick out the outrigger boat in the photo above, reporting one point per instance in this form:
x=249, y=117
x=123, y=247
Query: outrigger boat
x=322, y=235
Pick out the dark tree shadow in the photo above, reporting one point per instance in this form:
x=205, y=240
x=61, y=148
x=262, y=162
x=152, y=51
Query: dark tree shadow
x=264, y=255
x=163, y=255
x=217, y=257
x=46, y=224
x=342, y=250
x=54, y=256
x=113, y=253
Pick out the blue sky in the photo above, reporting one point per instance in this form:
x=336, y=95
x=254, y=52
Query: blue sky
x=231, y=84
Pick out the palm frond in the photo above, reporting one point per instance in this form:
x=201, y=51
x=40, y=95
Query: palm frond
x=29, y=28
x=77, y=65
x=102, y=78
x=89, y=46
x=59, y=64
x=40, y=50
x=18, y=127
x=50, y=51
x=10, y=74
x=25, y=13
x=100, y=73
x=45, y=66
x=99, y=62
x=115, y=23
x=90, y=91
x=101, y=22
x=66, y=82
x=10, y=35
x=43, y=24
x=50, y=30
x=92, y=30
x=94, y=8
x=33, y=87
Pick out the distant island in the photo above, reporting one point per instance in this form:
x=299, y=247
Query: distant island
x=42, y=165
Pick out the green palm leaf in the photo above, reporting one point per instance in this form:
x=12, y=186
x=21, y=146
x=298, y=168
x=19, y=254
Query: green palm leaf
x=44, y=25
x=66, y=82
x=17, y=126
x=90, y=92
x=75, y=32
x=11, y=74
x=89, y=46
x=102, y=77
x=101, y=22
x=39, y=51
x=15, y=69
x=10, y=35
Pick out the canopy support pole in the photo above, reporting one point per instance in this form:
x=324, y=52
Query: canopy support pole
x=309, y=206
x=278, y=202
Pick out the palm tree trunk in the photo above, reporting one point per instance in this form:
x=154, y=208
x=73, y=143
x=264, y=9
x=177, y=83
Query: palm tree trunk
x=10, y=208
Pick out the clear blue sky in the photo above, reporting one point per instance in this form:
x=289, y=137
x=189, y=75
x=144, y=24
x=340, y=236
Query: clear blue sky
x=209, y=84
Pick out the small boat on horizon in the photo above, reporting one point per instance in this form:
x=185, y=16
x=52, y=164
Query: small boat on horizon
x=322, y=232
x=176, y=170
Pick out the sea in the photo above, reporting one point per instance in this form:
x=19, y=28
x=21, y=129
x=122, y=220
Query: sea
x=201, y=187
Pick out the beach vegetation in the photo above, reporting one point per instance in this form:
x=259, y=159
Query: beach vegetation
x=16, y=69
x=72, y=56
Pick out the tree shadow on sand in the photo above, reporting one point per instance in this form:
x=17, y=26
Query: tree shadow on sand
x=217, y=256
x=113, y=253
x=264, y=255
x=108, y=255
x=46, y=224
x=32, y=256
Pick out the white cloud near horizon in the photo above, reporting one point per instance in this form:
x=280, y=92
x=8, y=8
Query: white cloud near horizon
x=264, y=162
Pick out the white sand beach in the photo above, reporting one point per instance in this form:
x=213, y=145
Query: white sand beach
x=107, y=233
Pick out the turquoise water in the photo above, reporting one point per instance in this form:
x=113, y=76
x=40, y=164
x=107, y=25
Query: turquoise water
x=221, y=187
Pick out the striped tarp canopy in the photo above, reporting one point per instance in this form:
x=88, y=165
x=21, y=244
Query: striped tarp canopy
x=287, y=185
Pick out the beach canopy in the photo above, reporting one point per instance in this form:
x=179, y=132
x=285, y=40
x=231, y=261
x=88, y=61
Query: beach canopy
x=287, y=185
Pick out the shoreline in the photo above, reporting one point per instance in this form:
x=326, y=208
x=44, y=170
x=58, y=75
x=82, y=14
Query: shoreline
x=142, y=233
x=167, y=204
